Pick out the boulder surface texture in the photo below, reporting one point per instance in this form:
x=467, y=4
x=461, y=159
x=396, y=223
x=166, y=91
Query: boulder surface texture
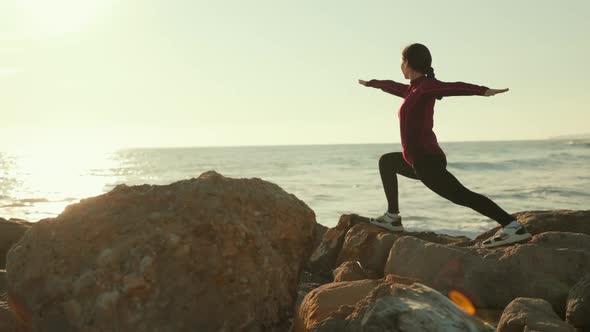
x=205, y=254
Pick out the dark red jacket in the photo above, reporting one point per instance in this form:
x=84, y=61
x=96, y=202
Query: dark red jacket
x=417, y=111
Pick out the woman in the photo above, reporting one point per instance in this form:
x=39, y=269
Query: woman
x=421, y=157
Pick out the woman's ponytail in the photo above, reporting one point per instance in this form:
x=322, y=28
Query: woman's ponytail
x=429, y=72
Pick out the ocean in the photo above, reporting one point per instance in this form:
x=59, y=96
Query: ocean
x=331, y=179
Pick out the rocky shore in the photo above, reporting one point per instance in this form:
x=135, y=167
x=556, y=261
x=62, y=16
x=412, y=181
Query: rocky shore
x=214, y=253
x=538, y=285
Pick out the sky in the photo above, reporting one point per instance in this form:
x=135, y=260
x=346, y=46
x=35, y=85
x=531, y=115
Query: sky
x=203, y=73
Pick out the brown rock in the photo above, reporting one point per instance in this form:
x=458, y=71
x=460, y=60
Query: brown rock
x=308, y=282
x=382, y=305
x=10, y=232
x=578, y=304
x=8, y=321
x=492, y=278
x=349, y=271
x=528, y=314
x=322, y=301
x=355, y=239
x=394, y=278
x=213, y=253
x=369, y=245
x=318, y=234
x=324, y=257
x=540, y=221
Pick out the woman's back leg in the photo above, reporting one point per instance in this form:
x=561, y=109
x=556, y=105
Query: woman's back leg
x=436, y=177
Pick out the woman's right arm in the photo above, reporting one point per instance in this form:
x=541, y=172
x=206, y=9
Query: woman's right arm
x=389, y=86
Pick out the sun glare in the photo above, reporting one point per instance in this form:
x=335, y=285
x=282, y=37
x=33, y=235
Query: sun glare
x=462, y=302
x=60, y=16
x=51, y=177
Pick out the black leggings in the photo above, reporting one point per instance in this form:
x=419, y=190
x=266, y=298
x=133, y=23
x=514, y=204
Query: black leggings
x=431, y=170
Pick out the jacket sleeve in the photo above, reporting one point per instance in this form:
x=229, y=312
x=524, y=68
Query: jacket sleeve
x=441, y=89
x=389, y=86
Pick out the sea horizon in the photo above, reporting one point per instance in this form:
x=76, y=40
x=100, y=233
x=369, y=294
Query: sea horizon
x=353, y=143
x=333, y=179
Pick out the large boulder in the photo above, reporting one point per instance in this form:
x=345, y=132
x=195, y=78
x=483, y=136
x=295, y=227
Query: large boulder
x=10, y=232
x=546, y=267
x=382, y=305
x=205, y=254
x=528, y=314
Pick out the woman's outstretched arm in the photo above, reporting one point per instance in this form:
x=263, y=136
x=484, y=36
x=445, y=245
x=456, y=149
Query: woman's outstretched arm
x=389, y=86
x=445, y=89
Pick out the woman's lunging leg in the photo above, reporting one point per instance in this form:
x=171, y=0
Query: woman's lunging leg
x=391, y=164
x=442, y=182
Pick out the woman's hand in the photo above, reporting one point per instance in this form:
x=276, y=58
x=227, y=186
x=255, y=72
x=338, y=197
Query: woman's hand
x=491, y=92
x=363, y=82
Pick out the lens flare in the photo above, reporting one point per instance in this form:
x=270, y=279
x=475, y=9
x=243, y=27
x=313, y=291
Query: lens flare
x=462, y=302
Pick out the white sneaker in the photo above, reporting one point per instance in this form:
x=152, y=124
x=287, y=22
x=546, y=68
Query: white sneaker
x=507, y=235
x=389, y=222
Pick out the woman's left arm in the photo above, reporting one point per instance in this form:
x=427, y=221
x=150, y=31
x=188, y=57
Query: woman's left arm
x=445, y=89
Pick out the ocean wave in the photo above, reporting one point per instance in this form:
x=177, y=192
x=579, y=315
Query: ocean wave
x=543, y=191
x=551, y=160
x=477, y=165
x=323, y=197
x=420, y=218
x=26, y=202
x=13, y=205
x=582, y=143
x=34, y=200
x=531, y=162
x=23, y=202
x=480, y=165
x=556, y=190
x=562, y=155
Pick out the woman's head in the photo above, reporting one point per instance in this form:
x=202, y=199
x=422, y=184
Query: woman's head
x=416, y=59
